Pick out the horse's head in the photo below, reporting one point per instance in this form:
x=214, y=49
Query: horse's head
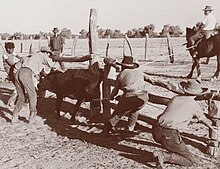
x=189, y=33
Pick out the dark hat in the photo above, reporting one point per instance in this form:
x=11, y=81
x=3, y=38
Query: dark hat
x=45, y=49
x=9, y=45
x=208, y=8
x=56, y=29
x=192, y=87
x=128, y=62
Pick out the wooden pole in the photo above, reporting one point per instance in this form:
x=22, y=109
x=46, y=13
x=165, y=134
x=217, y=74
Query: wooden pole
x=94, y=49
x=21, y=47
x=73, y=49
x=93, y=36
x=170, y=49
x=146, y=44
x=39, y=44
x=106, y=87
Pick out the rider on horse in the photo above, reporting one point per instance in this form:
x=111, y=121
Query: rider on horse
x=205, y=28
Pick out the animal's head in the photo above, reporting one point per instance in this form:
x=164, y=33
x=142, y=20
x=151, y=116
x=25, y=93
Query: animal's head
x=46, y=82
x=94, y=68
x=189, y=33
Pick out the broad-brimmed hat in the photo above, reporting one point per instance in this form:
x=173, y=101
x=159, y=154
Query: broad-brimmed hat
x=128, y=62
x=208, y=8
x=192, y=87
x=55, y=29
x=45, y=49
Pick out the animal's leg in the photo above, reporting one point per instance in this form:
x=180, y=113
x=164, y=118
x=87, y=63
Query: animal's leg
x=218, y=67
x=58, y=105
x=198, y=67
x=192, y=69
x=76, y=108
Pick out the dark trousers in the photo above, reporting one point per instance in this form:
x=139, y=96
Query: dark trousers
x=178, y=153
x=199, y=35
x=131, y=106
x=58, y=53
x=24, y=82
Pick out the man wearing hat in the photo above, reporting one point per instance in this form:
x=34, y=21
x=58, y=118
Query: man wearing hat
x=131, y=81
x=56, y=44
x=30, y=69
x=206, y=27
x=175, y=118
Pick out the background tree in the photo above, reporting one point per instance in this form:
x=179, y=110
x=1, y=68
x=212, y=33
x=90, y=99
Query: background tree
x=174, y=31
x=66, y=33
x=83, y=34
x=150, y=30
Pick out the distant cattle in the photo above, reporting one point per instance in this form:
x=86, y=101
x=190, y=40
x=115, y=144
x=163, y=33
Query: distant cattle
x=82, y=84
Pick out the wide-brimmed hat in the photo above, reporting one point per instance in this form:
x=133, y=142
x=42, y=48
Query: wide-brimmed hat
x=208, y=8
x=56, y=29
x=192, y=87
x=128, y=62
x=45, y=49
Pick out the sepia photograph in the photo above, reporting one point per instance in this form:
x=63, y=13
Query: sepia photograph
x=110, y=84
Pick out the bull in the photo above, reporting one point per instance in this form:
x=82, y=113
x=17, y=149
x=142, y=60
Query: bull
x=82, y=84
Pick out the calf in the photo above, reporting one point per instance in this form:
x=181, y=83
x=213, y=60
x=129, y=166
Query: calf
x=82, y=84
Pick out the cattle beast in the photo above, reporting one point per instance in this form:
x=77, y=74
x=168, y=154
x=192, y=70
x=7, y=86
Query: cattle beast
x=82, y=84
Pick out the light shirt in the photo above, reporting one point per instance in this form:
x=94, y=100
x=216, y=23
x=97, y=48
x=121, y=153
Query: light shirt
x=10, y=57
x=37, y=62
x=180, y=110
x=131, y=79
x=10, y=60
x=209, y=21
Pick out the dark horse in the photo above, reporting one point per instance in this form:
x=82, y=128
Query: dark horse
x=205, y=48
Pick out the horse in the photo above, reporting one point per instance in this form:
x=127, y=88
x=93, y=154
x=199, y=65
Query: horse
x=205, y=48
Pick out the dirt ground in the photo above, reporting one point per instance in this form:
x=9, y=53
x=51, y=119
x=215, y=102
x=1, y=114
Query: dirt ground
x=60, y=144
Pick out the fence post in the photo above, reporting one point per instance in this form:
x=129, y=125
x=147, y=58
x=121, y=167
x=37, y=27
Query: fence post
x=170, y=48
x=95, y=108
x=146, y=44
x=73, y=49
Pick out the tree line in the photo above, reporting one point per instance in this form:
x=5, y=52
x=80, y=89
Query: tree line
x=141, y=32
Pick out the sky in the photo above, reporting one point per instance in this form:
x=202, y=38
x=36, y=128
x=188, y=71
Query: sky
x=33, y=16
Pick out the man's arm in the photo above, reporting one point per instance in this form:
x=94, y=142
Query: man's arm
x=71, y=59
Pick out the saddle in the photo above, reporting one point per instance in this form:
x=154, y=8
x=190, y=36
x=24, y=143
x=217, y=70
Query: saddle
x=210, y=34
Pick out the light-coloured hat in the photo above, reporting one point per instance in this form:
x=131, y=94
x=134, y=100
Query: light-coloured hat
x=128, y=62
x=192, y=87
x=56, y=29
x=208, y=8
x=45, y=49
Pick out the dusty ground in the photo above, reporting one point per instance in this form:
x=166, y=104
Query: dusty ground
x=59, y=144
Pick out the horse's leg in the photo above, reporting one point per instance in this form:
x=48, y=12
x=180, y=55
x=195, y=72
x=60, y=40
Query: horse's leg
x=58, y=105
x=193, y=67
x=218, y=67
x=76, y=108
x=198, y=67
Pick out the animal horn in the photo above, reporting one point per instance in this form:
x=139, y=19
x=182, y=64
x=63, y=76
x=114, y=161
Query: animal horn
x=126, y=38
